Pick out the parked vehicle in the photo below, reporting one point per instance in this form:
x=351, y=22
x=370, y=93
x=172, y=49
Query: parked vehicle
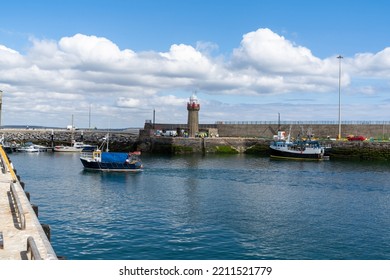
x=169, y=133
x=356, y=138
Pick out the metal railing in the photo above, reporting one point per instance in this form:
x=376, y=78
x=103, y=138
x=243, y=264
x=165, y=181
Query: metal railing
x=18, y=206
x=307, y=122
x=32, y=249
x=1, y=240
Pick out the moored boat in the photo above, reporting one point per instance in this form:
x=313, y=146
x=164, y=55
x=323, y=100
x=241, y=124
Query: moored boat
x=299, y=149
x=74, y=148
x=31, y=148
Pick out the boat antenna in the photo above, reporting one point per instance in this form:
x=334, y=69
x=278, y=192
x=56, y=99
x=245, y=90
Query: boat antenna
x=72, y=138
x=108, y=135
x=108, y=141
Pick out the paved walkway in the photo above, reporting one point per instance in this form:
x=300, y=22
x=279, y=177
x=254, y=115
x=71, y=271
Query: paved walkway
x=19, y=229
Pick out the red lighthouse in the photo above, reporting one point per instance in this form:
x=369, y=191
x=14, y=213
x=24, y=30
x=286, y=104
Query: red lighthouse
x=193, y=108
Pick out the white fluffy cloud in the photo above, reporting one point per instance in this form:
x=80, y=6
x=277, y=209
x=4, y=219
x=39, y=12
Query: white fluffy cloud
x=371, y=65
x=58, y=79
x=10, y=58
x=271, y=53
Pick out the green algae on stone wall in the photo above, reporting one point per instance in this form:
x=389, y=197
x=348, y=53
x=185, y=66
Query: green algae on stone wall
x=225, y=150
x=178, y=149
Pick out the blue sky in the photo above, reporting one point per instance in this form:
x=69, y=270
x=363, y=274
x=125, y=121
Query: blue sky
x=247, y=61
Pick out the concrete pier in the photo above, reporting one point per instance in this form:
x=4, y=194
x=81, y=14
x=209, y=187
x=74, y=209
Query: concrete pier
x=21, y=234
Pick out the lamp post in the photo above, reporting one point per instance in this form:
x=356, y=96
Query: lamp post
x=339, y=58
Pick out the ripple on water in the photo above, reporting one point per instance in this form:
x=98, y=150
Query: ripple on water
x=213, y=207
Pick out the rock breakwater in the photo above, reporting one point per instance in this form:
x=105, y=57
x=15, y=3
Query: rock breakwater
x=119, y=140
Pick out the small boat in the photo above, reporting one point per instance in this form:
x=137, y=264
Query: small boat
x=299, y=149
x=27, y=149
x=74, y=148
x=96, y=159
x=31, y=148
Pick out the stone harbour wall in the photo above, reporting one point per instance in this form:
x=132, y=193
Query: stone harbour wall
x=377, y=131
x=131, y=141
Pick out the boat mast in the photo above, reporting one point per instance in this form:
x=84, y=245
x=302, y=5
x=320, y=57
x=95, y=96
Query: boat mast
x=72, y=133
x=289, y=135
x=108, y=141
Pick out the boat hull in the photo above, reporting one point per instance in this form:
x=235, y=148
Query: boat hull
x=111, y=166
x=77, y=147
x=67, y=150
x=287, y=154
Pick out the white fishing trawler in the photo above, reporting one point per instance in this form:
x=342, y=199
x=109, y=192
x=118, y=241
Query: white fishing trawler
x=302, y=149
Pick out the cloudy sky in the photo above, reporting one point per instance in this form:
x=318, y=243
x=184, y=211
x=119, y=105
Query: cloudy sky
x=246, y=60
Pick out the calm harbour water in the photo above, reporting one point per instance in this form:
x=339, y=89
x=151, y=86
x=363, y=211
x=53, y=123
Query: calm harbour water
x=212, y=207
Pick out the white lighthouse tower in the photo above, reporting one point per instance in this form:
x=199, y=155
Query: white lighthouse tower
x=193, y=108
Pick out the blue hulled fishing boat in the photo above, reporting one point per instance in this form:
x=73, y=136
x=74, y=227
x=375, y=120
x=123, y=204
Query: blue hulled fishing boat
x=95, y=159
